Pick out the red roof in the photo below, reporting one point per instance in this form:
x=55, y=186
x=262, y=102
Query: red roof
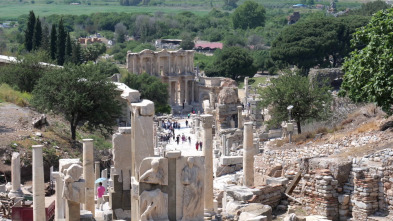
x=211, y=45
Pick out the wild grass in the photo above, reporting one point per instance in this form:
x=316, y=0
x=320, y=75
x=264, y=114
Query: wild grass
x=253, y=82
x=10, y=95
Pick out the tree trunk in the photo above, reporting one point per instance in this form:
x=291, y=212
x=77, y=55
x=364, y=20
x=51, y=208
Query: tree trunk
x=299, y=129
x=73, y=131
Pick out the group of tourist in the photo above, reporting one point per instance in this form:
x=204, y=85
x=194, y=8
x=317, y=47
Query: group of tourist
x=198, y=145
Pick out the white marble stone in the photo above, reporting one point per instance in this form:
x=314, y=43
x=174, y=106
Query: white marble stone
x=88, y=174
x=38, y=184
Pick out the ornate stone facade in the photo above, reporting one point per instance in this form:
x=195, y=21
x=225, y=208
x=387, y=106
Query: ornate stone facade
x=176, y=68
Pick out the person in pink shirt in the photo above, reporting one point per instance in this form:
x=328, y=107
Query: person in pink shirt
x=100, y=193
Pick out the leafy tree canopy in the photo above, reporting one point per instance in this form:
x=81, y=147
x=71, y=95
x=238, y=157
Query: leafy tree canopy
x=318, y=41
x=232, y=62
x=368, y=70
x=24, y=73
x=81, y=94
x=249, y=15
x=309, y=99
x=151, y=88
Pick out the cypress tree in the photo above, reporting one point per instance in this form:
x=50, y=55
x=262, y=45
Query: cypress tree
x=68, y=49
x=45, y=39
x=37, y=37
x=30, y=31
x=53, y=39
x=61, y=43
x=76, y=53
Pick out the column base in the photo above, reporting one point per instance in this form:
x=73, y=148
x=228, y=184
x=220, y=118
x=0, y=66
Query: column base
x=14, y=194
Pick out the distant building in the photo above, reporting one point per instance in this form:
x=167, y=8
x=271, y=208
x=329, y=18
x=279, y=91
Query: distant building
x=168, y=43
x=319, y=6
x=292, y=19
x=299, y=6
x=86, y=41
x=207, y=47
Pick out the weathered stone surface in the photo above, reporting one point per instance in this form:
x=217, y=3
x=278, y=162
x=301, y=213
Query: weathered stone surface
x=228, y=95
x=339, y=167
x=277, y=180
x=257, y=209
x=231, y=160
x=121, y=143
x=154, y=170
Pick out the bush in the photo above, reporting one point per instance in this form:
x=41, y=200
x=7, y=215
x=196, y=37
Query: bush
x=10, y=95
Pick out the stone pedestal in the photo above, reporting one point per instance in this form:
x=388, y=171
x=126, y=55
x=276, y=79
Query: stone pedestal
x=207, y=122
x=15, y=176
x=59, y=208
x=73, y=211
x=121, y=143
x=248, y=155
x=88, y=174
x=239, y=117
x=38, y=184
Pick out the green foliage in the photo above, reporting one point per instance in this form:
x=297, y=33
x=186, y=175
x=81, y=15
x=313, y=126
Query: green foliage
x=93, y=51
x=68, y=48
x=309, y=99
x=119, y=51
x=368, y=68
x=81, y=94
x=263, y=60
x=61, y=43
x=187, y=43
x=53, y=45
x=25, y=71
x=310, y=42
x=11, y=95
x=202, y=61
x=230, y=4
x=120, y=32
x=369, y=8
x=249, y=15
x=151, y=88
x=76, y=57
x=107, y=68
x=37, y=37
x=29, y=33
x=232, y=62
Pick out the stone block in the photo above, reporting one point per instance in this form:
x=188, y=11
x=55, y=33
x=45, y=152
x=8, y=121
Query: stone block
x=146, y=107
x=258, y=218
x=173, y=154
x=65, y=163
x=231, y=160
x=108, y=215
x=277, y=180
x=86, y=216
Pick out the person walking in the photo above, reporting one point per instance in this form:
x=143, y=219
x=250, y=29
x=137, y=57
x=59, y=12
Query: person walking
x=197, y=145
x=178, y=139
x=100, y=193
x=200, y=145
x=189, y=140
x=186, y=123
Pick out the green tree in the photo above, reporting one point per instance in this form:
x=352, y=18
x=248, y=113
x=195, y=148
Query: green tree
x=82, y=95
x=37, y=37
x=107, y=68
x=120, y=32
x=76, y=54
x=61, y=43
x=151, y=88
x=310, y=100
x=53, y=44
x=29, y=33
x=24, y=73
x=187, y=43
x=310, y=2
x=230, y=4
x=249, y=15
x=68, y=48
x=45, y=39
x=232, y=62
x=93, y=51
x=314, y=41
x=368, y=69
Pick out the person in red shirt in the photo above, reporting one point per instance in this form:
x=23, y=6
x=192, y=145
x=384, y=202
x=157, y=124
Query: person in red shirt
x=100, y=193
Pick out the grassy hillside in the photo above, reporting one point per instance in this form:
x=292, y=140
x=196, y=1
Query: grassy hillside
x=11, y=9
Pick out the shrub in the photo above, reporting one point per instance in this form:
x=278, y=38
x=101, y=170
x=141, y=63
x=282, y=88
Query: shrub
x=10, y=95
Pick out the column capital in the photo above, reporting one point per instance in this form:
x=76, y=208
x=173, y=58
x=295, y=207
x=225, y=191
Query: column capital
x=249, y=123
x=37, y=146
x=239, y=107
x=56, y=175
x=207, y=121
x=87, y=140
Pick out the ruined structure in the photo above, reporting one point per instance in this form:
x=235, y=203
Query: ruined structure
x=176, y=68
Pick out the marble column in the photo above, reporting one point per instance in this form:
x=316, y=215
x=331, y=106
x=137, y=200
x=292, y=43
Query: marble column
x=239, y=117
x=170, y=92
x=192, y=91
x=15, y=176
x=248, y=155
x=104, y=174
x=245, y=91
x=88, y=175
x=59, y=208
x=97, y=175
x=224, y=143
x=73, y=211
x=207, y=122
x=38, y=184
x=211, y=98
x=186, y=90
